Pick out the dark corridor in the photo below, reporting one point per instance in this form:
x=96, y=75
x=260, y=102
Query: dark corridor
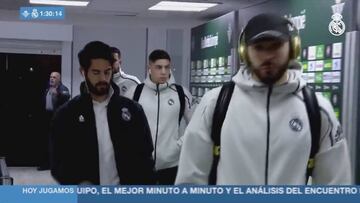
x=24, y=79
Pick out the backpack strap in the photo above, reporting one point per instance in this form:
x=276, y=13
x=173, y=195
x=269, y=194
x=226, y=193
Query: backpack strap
x=179, y=90
x=313, y=111
x=138, y=91
x=221, y=108
x=181, y=94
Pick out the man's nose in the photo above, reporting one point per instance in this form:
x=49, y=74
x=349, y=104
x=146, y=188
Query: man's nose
x=269, y=54
x=102, y=76
x=163, y=70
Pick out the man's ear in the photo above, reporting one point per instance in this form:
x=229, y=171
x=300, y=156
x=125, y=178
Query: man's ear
x=82, y=72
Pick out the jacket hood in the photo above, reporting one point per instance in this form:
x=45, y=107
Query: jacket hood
x=148, y=82
x=293, y=84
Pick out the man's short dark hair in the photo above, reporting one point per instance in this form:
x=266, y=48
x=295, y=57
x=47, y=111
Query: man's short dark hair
x=94, y=50
x=115, y=50
x=158, y=54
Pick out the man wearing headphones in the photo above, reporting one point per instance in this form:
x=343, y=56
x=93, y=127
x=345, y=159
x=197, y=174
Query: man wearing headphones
x=266, y=137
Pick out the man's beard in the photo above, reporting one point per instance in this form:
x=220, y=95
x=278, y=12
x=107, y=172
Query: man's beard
x=272, y=75
x=99, y=89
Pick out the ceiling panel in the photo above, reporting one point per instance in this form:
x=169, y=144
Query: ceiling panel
x=139, y=8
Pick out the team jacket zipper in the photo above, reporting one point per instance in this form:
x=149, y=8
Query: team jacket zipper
x=157, y=121
x=267, y=135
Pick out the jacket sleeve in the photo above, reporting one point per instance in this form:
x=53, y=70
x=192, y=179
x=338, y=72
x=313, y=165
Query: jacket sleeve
x=60, y=170
x=146, y=163
x=188, y=112
x=332, y=162
x=63, y=96
x=196, y=153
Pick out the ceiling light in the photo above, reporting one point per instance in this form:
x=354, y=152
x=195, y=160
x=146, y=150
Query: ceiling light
x=60, y=2
x=181, y=6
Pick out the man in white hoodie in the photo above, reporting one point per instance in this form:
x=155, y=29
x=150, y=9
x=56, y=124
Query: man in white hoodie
x=266, y=134
x=123, y=80
x=161, y=100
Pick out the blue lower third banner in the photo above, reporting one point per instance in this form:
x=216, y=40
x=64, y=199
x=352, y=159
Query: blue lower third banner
x=177, y=194
x=38, y=194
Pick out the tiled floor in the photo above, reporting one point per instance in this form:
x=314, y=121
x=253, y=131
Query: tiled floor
x=31, y=176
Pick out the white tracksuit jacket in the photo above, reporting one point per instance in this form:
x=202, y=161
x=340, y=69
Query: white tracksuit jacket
x=244, y=149
x=162, y=106
x=125, y=81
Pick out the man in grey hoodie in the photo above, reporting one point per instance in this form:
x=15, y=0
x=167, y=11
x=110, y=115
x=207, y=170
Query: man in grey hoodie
x=266, y=134
x=161, y=101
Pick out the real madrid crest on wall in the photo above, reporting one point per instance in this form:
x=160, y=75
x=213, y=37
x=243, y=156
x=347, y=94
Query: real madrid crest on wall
x=337, y=26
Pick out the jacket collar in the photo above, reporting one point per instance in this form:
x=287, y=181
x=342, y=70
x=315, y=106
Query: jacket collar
x=294, y=83
x=149, y=83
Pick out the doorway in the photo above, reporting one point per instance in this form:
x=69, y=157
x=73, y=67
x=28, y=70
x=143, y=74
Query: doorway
x=24, y=79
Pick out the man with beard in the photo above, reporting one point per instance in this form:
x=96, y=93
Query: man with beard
x=266, y=136
x=55, y=96
x=123, y=80
x=100, y=137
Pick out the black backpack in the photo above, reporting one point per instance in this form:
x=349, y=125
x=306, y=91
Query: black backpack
x=221, y=107
x=179, y=90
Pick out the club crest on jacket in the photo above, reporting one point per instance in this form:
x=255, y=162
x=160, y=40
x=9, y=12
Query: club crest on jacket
x=296, y=125
x=123, y=88
x=171, y=102
x=125, y=114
